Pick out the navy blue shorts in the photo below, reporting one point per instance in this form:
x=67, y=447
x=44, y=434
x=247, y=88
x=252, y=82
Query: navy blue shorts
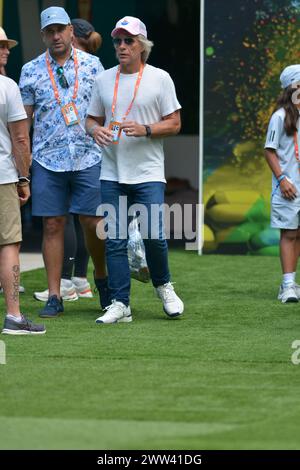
x=58, y=193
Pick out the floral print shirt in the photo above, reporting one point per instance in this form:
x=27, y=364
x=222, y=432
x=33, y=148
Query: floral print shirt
x=56, y=146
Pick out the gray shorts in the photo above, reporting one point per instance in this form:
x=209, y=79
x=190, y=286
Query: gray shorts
x=285, y=216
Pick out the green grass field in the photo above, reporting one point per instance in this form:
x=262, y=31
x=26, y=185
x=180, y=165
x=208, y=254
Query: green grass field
x=220, y=377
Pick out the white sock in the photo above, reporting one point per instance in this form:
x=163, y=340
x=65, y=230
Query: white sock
x=294, y=276
x=18, y=319
x=288, y=280
x=66, y=283
x=80, y=281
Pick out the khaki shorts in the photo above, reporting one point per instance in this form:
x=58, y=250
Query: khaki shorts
x=10, y=216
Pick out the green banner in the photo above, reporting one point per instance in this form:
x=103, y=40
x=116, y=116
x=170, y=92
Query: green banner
x=247, y=45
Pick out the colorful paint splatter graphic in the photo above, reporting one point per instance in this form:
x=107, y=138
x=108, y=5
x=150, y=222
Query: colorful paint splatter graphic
x=247, y=46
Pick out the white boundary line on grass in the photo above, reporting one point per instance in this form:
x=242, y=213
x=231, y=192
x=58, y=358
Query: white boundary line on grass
x=200, y=228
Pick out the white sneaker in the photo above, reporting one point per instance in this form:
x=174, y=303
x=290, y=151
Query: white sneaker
x=297, y=290
x=82, y=287
x=117, y=312
x=288, y=294
x=173, y=305
x=21, y=290
x=67, y=292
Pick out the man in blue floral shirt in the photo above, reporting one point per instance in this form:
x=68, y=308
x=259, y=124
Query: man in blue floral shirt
x=56, y=89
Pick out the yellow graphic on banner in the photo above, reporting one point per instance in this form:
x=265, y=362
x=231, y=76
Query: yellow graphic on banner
x=237, y=209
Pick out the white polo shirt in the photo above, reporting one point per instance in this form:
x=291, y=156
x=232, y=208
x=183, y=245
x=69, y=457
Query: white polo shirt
x=11, y=110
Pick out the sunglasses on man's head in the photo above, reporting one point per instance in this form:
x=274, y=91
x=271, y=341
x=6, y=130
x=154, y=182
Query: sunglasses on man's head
x=127, y=41
x=61, y=78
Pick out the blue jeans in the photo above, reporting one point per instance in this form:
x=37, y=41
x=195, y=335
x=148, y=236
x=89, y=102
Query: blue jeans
x=156, y=247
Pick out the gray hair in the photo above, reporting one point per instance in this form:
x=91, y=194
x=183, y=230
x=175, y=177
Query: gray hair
x=147, y=46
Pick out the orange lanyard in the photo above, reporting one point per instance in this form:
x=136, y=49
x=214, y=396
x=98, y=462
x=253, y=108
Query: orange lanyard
x=137, y=85
x=296, y=148
x=55, y=89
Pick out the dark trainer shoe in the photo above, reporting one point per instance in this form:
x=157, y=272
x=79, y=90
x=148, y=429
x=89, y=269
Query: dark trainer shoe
x=104, y=293
x=25, y=327
x=53, y=308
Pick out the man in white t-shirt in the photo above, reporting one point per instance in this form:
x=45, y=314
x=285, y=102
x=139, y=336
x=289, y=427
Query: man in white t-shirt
x=133, y=106
x=14, y=190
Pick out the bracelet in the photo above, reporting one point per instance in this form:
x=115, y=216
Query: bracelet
x=280, y=178
x=20, y=185
x=148, y=131
x=23, y=179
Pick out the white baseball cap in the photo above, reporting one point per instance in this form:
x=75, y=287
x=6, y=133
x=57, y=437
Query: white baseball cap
x=130, y=24
x=290, y=75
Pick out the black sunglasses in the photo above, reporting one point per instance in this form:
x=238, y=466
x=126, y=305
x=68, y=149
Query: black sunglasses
x=61, y=78
x=118, y=41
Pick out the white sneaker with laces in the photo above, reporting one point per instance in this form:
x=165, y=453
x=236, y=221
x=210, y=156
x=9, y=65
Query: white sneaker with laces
x=67, y=292
x=21, y=290
x=173, y=305
x=41, y=296
x=82, y=287
x=297, y=290
x=117, y=312
x=289, y=294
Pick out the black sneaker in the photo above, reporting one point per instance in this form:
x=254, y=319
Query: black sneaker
x=104, y=293
x=53, y=308
x=25, y=327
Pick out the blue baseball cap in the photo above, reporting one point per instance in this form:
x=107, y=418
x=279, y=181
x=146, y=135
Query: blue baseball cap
x=54, y=15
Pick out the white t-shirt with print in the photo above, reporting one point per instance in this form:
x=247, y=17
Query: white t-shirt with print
x=278, y=140
x=135, y=159
x=11, y=110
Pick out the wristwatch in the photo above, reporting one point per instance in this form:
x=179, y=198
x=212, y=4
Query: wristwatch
x=148, y=131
